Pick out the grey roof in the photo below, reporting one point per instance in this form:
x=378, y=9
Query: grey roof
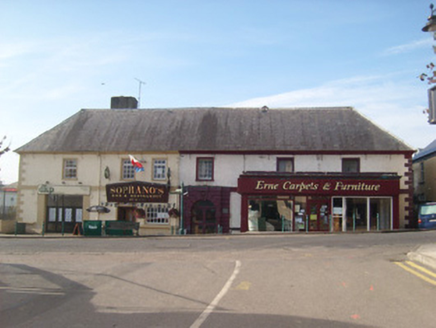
x=216, y=129
x=428, y=151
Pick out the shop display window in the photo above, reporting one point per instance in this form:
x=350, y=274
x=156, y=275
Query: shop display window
x=270, y=215
x=362, y=213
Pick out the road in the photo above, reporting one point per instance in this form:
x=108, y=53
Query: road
x=316, y=280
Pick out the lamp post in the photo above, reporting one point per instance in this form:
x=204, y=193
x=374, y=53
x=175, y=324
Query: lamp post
x=181, y=192
x=430, y=26
x=431, y=21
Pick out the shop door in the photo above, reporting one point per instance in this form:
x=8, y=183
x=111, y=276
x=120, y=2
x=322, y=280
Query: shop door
x=63, y=213
x=203, y=218
x=319, y=209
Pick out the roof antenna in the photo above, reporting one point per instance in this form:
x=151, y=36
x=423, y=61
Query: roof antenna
x=139, y=96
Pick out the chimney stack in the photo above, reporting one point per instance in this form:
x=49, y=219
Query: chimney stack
x=122, y=102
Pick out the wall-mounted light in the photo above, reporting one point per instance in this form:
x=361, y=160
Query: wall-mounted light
x=107, y=173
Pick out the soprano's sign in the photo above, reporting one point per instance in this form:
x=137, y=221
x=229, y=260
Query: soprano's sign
x=137, y=192
x=312, y=186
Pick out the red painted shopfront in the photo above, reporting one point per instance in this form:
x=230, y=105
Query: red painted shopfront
x=319, y=202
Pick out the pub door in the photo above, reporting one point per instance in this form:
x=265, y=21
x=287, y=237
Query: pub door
x=63, y=213
x=203, y=218
x=318, y=210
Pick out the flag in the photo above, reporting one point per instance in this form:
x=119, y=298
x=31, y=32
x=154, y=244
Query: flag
x=136, y=164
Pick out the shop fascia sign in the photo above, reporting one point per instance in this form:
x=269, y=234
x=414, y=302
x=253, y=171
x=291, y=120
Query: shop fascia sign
x=318, y=186
x=47, y=189
x=137, y=192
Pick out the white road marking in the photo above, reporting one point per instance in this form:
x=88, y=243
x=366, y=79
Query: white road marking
x=216, y=300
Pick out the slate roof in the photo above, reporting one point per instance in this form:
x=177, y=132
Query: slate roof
x=335, y=129
x=427, y=152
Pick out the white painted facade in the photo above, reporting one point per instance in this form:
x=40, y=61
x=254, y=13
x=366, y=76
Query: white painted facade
x=228, y=168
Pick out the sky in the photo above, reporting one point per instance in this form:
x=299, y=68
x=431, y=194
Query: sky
x=57, y=57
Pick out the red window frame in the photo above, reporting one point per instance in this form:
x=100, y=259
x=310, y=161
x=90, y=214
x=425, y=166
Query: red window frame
x=199, y=159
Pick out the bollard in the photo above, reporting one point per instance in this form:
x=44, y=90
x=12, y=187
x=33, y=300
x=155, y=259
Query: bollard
x=43, y=229
x=378, y=222
x=354, y=221
x=331, y=222
x=307, y=223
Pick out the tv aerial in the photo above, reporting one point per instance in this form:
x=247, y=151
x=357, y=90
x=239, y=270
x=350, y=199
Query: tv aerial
x=139, y=95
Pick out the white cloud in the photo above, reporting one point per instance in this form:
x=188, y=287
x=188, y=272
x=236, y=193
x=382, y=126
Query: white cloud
x=396, y=107
x=408, y=47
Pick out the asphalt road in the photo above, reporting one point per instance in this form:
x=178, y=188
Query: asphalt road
x=339, y=280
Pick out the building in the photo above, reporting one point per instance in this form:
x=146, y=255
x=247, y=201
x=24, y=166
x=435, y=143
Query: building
x=8, y=203
x=242, y=169
x=424, y=169
x=303, y=169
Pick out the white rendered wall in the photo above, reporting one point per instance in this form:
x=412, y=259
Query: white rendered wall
x=227, y=168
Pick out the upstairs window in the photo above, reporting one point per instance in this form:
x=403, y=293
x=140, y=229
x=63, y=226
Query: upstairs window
x=350, y=165
x=70, y=169
x=159, y=169
x=205, y=169
x=128, y=170
x=285, y=165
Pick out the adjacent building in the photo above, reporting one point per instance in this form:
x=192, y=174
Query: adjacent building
x=213, y=170
x=424, y=168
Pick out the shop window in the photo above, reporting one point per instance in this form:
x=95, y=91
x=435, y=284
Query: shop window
x=351, y=165
x=285, y=165
x=70, y=169
x=128, y=170
x=362, y=214
x=205, y=168
x=157, y=215
x=159, y=169
x=270, y=215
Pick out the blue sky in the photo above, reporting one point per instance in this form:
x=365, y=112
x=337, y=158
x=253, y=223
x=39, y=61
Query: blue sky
x=57, y=57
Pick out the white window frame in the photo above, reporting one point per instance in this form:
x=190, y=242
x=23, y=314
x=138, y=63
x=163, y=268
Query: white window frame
x=127, y=169
x=158, y=166
x=70, y=168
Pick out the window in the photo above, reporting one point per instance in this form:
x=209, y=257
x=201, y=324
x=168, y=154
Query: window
x=285, y=165
x=157, y=215
x=350, y=165
x=159, y=169
x=205, y=169
x=128, y=170
x=70, y=169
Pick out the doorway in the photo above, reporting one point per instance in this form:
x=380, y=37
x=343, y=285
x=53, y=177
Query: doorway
x=204, y=219
x=63, y=213
x=319, y=209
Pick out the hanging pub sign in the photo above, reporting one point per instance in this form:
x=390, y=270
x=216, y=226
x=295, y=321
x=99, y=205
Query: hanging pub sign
x=137, y=192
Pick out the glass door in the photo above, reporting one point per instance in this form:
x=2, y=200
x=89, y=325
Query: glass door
x=318, y=211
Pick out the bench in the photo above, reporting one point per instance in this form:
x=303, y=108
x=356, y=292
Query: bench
x=121, y=227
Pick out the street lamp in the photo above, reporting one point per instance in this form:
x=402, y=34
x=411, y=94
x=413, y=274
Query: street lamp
x=431, y=21
x=182, y=193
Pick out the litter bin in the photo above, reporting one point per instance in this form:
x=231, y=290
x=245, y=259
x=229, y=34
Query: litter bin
x=92, y=228
x=20, y=228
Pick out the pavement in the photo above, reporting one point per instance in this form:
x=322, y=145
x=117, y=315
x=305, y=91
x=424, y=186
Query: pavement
x=425, y=254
